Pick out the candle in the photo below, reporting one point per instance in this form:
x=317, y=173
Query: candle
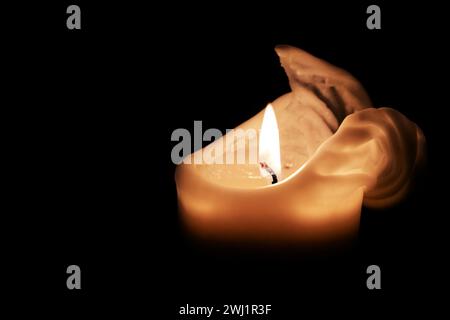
x=331, y=153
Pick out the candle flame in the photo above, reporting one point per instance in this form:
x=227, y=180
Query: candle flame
x=269, y=142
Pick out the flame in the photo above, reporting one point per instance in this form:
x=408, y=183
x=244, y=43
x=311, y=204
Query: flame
x=269, y=142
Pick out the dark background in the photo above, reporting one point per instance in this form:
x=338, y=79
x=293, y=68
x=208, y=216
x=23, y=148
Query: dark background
x=88, y=122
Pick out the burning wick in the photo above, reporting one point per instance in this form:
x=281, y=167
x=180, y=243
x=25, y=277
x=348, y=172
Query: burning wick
x=270, y=171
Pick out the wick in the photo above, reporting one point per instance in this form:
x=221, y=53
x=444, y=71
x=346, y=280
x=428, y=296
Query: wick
x=266, y=167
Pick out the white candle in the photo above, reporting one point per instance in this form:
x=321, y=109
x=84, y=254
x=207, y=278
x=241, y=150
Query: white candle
x=326, y=169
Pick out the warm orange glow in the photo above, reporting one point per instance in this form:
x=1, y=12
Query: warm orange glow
x=335, y=153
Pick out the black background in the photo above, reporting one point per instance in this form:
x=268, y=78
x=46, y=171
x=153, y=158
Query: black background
x=89, y=118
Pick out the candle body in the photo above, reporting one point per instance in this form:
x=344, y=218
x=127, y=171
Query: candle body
x=341, y=153
x=367, y=160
